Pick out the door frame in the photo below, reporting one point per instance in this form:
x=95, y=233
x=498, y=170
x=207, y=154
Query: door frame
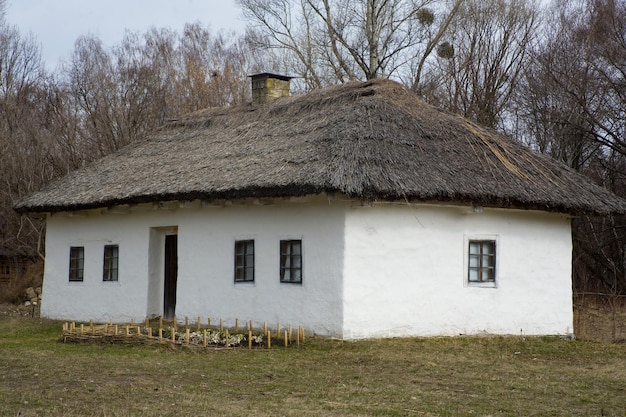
x=156, y=269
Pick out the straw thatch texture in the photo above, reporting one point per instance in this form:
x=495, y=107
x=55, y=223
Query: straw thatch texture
x=369, y=140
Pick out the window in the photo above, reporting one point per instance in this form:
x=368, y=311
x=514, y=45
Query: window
x=482, y=261
x=291, y=261
x=111, y=262
x=77, y=263
x=244, y=261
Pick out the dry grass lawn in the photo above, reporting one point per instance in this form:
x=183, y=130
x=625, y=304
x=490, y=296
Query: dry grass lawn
x=463, y=376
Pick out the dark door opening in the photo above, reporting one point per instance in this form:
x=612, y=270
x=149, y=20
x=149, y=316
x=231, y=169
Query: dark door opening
x=171, y=276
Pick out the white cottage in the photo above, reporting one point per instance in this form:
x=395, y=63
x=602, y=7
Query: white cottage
x=356, y=211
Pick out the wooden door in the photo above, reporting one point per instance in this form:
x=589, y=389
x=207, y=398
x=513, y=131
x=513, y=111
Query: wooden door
x=171, y=276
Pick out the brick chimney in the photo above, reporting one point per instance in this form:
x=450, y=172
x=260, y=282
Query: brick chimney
x=267, y=87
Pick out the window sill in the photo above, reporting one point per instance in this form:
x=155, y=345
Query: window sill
x=481, y=285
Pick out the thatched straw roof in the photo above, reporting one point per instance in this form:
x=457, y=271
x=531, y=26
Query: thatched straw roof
x=371, y=140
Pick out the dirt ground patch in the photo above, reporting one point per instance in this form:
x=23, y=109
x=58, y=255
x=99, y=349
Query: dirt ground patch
x=20, y=310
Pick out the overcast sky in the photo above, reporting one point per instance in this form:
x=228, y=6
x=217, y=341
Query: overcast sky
x=56, y=24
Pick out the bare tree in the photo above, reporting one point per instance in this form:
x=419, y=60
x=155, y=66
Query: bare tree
x=24, y=148
x=329, y=41
x=572, y=106
x=102, y=100
x=486, y=51
x=212, y=69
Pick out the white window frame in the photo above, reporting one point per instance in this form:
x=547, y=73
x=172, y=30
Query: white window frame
x=498, y=251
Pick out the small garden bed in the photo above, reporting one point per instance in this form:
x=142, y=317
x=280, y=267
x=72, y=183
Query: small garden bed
x=162, y=332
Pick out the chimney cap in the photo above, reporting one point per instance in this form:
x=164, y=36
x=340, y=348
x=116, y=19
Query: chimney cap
x=264, y=75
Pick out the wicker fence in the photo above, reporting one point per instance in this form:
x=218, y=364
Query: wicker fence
x=161, y=331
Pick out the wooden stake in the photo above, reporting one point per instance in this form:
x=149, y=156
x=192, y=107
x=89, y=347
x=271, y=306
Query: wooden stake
x=198, y=323
x=173, y=330
x=249, y=339
x=149, y=332
x=208, y=323
x=227, y=338
x=160, y=334
x=110, y=322
x=127, y=330
x=186, y=322
x=269, y=340
x=286, y=340
x=115, y=328
x=138, y=330
x=147, y=322
x=265, y=327
x=187, y=337
x=250, y=325
x=204, y=338
x=161, y=322
x=82, y=329
x=298, y=337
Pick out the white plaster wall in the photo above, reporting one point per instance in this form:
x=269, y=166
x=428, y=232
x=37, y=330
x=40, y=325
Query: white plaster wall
x=404, y=272
x=206, y=286
x=94, y=299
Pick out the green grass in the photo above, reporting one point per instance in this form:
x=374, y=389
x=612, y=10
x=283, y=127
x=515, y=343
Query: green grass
x=464, y=376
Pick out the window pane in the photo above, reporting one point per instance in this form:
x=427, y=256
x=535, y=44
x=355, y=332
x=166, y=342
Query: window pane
x=473, y=261
x=473, y=274
x=487, y=274
x=296, y=275
x=287, y=261
x=474, y=248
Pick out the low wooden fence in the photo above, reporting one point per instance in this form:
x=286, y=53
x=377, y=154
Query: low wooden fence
x=159, y=331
